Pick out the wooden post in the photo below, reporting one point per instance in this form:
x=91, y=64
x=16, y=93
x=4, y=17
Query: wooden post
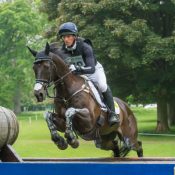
x=8, y=154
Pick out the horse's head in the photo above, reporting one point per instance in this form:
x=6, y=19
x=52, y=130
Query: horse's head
x=44, y=72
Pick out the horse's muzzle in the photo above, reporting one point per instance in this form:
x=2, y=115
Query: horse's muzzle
x=39, y=92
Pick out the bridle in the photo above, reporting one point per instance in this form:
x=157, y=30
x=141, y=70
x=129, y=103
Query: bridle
x=48, y=83
x=60, y=80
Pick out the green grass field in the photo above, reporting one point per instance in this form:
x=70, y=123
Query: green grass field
x=34, y=139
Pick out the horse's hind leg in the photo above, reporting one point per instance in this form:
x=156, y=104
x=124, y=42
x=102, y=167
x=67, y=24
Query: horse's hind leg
x=116, y=150
x=56, y=138
x=108, y=142
x=139, y=149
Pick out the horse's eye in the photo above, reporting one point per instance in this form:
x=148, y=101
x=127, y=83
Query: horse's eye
x=46, y=65
x=36, y=64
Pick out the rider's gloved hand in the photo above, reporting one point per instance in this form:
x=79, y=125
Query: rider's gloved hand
x=78, y=68
x=72, y=68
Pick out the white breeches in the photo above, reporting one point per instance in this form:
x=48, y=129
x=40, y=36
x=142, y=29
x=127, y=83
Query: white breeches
x=99, y=77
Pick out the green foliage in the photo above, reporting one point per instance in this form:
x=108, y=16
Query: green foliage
x=134, y=39
x=19, y=22
x=50, y=7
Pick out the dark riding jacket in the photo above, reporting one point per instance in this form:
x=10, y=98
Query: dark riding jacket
x=85, y=50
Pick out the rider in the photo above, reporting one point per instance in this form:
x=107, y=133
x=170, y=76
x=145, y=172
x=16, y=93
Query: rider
x=75, y=46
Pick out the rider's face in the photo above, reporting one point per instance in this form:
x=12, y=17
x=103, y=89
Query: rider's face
x=68, y=40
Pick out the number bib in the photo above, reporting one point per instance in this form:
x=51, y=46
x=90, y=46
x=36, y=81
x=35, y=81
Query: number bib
x=76, y=60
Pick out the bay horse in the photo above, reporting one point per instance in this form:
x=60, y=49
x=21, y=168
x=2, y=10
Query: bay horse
x=77, y=112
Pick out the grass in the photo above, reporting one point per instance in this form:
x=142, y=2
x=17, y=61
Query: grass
x=34, y=139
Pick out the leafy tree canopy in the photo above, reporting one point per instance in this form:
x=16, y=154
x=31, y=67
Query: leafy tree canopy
x=134, y=39
x=19, y=23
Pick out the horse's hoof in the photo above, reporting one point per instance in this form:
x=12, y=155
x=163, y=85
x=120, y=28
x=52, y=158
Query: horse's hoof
x=71, y=139
x=74, y=143
x=60, y=142
x=62, y=146
x=140, y=153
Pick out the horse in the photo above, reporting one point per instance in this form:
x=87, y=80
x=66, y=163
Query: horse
x=77, y=112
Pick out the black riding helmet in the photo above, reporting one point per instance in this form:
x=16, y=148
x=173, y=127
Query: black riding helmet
x=68, y=28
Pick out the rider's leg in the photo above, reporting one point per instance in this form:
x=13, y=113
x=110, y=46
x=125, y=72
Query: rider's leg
x=99, y=78
x=108, y=98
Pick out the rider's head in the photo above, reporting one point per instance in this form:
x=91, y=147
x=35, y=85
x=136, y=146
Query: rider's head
x=68, y=32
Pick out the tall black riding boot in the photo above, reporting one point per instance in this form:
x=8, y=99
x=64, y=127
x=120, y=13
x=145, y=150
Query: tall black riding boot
x=108, y=99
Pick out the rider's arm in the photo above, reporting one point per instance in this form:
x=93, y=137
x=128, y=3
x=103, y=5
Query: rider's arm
x=89, y=59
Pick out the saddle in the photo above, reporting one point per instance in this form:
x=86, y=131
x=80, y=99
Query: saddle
x=97, y=95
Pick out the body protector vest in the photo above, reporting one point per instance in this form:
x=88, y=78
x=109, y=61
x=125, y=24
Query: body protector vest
x=82, y=56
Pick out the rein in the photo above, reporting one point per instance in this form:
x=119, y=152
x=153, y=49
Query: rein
x=43, y=81
x=62, y=78
x=49, y=83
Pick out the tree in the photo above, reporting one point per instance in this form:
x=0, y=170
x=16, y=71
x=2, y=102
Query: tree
x=135, y=42
x=19, y=22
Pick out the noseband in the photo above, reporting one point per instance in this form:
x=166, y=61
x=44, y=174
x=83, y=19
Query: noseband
x=43, y=81
x=50, y=82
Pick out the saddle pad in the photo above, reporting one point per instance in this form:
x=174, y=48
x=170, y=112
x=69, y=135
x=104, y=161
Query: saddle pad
x=117, y=109
x=98, y=98
x=96, y=94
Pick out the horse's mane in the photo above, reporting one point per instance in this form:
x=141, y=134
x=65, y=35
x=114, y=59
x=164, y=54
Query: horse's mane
x=56, y=49
x=54, y=46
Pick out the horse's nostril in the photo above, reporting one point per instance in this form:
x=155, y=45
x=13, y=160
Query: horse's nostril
x=40, y=95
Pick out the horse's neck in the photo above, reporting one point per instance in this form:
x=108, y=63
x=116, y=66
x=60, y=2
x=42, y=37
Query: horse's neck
x=71, y=81
x=61, y=67
x=54, y=48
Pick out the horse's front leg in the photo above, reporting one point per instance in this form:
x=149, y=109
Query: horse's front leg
x=69, y=133
x=56, y=138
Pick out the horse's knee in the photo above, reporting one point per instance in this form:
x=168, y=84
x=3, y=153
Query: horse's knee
x=49, y=120
x=59, y=123
x=55, y=121
x=139, y=143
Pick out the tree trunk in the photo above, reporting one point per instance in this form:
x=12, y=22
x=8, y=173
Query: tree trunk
x=162, y=115
x=171, y=112
x=17, y=100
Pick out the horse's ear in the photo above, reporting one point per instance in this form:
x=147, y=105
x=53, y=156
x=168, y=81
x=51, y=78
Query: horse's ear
x=47, y=49
x=32, y=51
